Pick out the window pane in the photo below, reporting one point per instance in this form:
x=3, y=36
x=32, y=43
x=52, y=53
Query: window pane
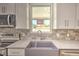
x=41, y=18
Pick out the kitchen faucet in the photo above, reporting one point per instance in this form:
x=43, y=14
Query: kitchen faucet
x=0, y=42
x=40, y=35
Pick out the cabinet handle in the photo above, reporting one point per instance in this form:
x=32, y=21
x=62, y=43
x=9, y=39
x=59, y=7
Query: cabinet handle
x=3, y=9
x=77, y=22
x=65, y=23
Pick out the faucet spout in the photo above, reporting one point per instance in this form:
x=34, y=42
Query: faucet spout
x=0, y=42
x=40, y=34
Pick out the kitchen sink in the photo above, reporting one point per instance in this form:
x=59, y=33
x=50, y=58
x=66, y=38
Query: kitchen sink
x=41, y=44
x=41, y=48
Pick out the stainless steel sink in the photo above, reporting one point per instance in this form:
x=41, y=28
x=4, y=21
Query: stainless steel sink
x=41, y=44
x=41, y=48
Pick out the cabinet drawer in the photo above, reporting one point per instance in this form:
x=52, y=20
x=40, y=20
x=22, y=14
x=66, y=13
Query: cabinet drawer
x=16, y=52
x=69, y=52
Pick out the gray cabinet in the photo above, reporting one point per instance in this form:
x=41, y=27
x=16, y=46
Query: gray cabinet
x=7, y=8
x=65, y=16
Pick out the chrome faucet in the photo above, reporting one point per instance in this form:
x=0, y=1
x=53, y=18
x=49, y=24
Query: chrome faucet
x=0, y=42
x=40, y=35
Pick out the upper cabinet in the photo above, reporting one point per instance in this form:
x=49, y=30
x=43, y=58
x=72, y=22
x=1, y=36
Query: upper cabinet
x=65, y=15
x=11, y=8
x=7, y=8
x=18, y=9
x=21, y=16
x=77, y=16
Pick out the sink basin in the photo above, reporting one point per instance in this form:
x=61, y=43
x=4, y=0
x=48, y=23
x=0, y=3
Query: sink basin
x=41, y=48
x=41, y=44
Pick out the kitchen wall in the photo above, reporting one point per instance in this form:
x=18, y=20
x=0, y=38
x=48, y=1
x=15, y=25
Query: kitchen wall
x=23, y=25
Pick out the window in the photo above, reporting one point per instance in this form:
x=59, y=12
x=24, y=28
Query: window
x=41, y=18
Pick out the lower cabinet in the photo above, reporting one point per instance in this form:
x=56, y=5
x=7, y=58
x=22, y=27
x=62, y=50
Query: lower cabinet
x=23, y=52
x=16, y=52
x=3, y=52
x=69, y=52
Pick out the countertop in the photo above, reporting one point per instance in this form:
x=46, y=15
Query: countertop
x=66, y=44
x=60, y=44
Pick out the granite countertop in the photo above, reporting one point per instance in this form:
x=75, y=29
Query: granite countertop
x=19, y=44
x=1, y=48
x=60, y=44
x=66, y=44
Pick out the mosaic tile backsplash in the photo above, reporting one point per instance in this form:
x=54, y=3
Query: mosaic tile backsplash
x=59, y=34
x=65, y=34
x=20, y=32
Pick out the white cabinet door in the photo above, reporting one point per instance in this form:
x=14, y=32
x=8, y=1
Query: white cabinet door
x=60, y=20
x=77, y=16
x=3, y=52
x=16, y=52
x=65, y=15
x=11, y=8
x=3, y=8
x=21, y=18
x=7, y=8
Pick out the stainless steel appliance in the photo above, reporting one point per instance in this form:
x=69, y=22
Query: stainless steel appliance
x=7, y=20
x=7, y=39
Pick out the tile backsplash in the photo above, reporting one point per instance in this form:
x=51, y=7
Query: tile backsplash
x=59, y=34
x=65, y=34
x=13, y=30
x=19, y=32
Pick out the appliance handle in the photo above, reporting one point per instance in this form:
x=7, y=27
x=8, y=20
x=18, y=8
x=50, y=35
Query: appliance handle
x=8, y=19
